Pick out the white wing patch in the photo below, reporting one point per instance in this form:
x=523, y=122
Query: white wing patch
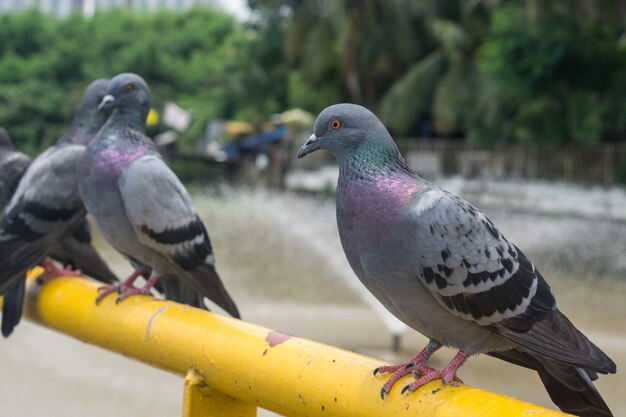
x=427, y=201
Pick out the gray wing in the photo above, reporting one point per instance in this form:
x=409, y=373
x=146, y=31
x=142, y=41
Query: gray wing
x=159, y=209
x=12, y=168
x=472, y=269
x=45, y=207
x=477, y=274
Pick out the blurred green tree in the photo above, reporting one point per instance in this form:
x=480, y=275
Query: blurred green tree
x=203, y=59
x=559, y=72
x=489, y=70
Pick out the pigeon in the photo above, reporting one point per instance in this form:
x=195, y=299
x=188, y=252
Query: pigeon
x=75, y=250
x=143, y=209
x=13, y=164
x=443, y=268
x=45, y=215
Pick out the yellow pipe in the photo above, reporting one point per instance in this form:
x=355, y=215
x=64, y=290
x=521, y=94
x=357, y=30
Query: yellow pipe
x=246, y=362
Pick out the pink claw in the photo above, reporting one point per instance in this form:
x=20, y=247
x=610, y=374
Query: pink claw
x=125, y=288
x=416, y=364
x=447, y=374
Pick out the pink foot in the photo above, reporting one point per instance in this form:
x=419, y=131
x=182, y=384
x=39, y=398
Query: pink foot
x=416, y=364
x=447, y=374
x=126, y=288
x=53, y=271
x=119, y=287
x=145, y=290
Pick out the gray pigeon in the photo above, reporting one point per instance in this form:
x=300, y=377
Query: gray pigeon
x=142, y=208
x=75, y=250
x=46, y=208
x=443, y=268
x=13, y=164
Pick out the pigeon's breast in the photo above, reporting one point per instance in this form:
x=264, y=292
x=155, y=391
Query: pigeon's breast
x=368, y=211
x=108, y=164
x=370, y=208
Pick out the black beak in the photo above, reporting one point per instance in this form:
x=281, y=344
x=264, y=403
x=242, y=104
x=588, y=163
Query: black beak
x=310, y=146
x=106, y=103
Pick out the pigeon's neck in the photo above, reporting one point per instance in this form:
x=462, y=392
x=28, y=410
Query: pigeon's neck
x=375, y=185
x=374, y=160
x=78, y=134
x=130, y=117
x=84, y=127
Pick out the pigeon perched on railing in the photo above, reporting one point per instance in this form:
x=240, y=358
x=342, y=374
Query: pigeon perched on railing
x=13, y=164
x=443, y=268
x=143, y=209
x=76, y=249
x=46, y=216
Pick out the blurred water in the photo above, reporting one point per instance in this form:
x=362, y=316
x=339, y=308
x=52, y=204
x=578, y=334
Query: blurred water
x=281, y=259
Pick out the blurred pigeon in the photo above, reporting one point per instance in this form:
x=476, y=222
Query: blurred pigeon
x=76, y=249
x=13, y=164
x=443, y=268
x=46, y=208
x=141, y=207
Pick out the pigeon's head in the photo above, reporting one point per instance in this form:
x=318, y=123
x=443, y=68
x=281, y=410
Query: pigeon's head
x=88, y=112
x=342, y=129
x=94, y=93
x=5, y=139
x=127, y=91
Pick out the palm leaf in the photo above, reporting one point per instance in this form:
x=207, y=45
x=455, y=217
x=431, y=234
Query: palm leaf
x=410, y=95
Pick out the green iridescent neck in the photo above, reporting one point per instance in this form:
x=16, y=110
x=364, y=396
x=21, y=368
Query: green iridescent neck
x=374, y=158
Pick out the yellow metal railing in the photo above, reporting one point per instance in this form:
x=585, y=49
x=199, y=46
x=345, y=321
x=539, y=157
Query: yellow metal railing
x=232, y=367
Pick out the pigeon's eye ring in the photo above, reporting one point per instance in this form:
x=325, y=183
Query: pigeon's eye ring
x=128, y=88
x=335, y=124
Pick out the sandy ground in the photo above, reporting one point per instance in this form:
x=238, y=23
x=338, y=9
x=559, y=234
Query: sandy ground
x=282, y=262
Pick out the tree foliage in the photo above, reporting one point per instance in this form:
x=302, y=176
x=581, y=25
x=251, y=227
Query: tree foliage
x=560, y=76
x=489, y=70
x=202, y=59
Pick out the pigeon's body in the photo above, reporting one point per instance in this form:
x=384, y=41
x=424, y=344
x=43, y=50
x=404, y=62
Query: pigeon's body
x=103, y=166
x=75, y=249
x=13, y=164
x=142, y=208
x=45, y=197
x=390, y=274
x=442, y=267
x=42, y=212
x=46, y=216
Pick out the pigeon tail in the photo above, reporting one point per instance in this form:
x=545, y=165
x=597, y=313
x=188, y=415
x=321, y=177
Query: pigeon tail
x=570, y=387
x=12, y=307
x=84, y=257
x=176, y=290
x=17, y=258
x=207, y=282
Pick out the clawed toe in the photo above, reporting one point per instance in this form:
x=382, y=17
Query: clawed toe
x=104, y=291
x=422, y=372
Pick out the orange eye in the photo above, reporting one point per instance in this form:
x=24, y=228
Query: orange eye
x=128, y=88
x=336, y=124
